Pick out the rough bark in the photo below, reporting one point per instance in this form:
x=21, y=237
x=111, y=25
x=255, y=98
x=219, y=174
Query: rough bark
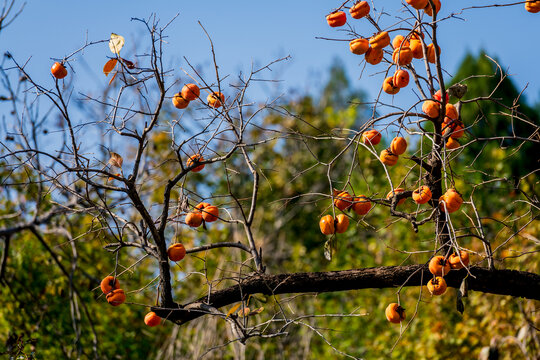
x=500, y=282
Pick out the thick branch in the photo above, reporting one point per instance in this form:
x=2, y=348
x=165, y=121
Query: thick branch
x=500, y=282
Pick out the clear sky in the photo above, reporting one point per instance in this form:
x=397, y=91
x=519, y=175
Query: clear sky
x=255, y=31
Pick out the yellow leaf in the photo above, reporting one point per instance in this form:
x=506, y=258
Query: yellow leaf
x=116, y=43
x=233, y=309
x=109, y=66
x=116, y=160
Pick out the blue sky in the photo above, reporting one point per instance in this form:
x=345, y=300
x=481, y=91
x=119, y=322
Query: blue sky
x=246, y=32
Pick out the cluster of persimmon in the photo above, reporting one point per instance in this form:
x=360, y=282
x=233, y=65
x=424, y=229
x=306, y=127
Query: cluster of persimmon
x=440, y=266
x=111, y=288
x=420, y=196
x=389, y=156
x=191, y=92
x=344, y=201
x=202, y=212
x=405, y=48
x=452, y=126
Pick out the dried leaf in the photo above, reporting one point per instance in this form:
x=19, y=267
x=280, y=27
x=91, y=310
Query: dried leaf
x=116, y=43
x=464, y=288
x=328, y=250
x=109, y=66
x=129, y=64
x=256, y=311
x=116, y=160
x=233, y=309
x=459, y=304
x=113, y=77
x=458, y=90
x=243, y=312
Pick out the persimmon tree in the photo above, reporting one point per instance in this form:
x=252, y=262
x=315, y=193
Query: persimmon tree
x=169, y=176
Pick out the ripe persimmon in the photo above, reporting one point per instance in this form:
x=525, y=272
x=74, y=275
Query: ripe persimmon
x=395, y=313
x=437, y=286
x=439, y=266
x=193, y=160
x=151, y=319
x=116, y=297
x=190, y=92
x=326, y=224
x=176, y=252
x=58, y=70
x=108, y=284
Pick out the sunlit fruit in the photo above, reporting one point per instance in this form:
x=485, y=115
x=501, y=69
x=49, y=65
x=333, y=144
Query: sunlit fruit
x=429, y=10
x=532, y=6
x=374, y=56
x=151, y=319
x=395, y=313
x=398, y=145
x=431, y=108
x=210, y=213
x=58, y=70
x=379, y=40
x=361, y=205
x=371, y=137
x=421, y=195
x=418, y=4
x=190, y=92
x=176, y=252
x=359, y=46
x=360, y=9
x=401, y=79
x=194, y=160
x=437, y=286
x=342, y=223
x=326, y=224
x=116, y=297
x=179, y=102
x=215, y=99
x=388, y=158
x=402, y=56
x=194, y=219
x=337, y=18
x=439, y=266
x=343, y=201
x=397, y=191
x=389, y=87
x=109, y=284
x=459, y=261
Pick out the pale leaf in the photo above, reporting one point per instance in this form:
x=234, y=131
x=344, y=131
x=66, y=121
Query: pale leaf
x=109, y=66
x=116, y=43
x=243, y=312
x=233, y=309
x=116, y=160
